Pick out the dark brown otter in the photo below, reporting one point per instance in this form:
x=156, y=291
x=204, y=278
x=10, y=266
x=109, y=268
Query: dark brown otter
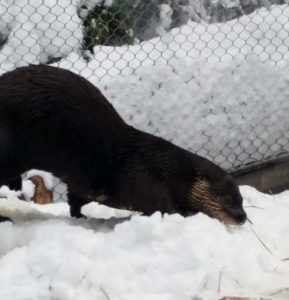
x=42, y=195
x=54, y=120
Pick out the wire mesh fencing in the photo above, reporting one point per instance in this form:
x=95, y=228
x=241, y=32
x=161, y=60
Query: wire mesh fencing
x=208, y=75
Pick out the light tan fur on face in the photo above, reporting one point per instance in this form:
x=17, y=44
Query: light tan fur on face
x=42, y=195
x=202, y=198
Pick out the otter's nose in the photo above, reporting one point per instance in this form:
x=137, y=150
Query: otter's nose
x=241, y=217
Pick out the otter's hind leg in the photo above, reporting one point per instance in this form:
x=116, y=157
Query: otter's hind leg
x=15, y=183
x=75, y=203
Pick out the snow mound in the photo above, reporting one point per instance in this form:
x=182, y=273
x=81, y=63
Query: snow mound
x=41, y=36
x=233, y=113
x=264, y=33
x=145, y=257
x=38, y=32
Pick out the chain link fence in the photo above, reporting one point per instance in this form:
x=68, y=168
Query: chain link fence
x=209, y=75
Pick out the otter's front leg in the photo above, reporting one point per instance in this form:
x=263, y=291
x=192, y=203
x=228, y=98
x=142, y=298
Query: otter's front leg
x=4, y=219
x=15, y=184
x=76, y=202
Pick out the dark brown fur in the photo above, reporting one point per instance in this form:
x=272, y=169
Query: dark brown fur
x=54, y=120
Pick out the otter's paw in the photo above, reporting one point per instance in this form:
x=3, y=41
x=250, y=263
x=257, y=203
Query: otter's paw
x=5, y=219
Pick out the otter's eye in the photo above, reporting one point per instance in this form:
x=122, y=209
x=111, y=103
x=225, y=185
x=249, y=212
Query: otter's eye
x=225, y=200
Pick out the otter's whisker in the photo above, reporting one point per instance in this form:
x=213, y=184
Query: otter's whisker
x=285, y=259
x=260, y=240
x=219, y=281
x=278, y=292
x=249, y=221
x=253, y=206
x=104, y=293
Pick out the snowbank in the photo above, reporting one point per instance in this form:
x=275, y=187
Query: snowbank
x=37, y=32
x=52, y=256
x=234, y=113
x=264, y=33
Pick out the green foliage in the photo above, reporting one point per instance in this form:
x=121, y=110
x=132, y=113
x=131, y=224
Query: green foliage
x=109, y=25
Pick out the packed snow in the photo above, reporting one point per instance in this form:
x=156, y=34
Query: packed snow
x=47, y=255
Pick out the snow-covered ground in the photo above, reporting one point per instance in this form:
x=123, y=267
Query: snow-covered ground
x=47, y=255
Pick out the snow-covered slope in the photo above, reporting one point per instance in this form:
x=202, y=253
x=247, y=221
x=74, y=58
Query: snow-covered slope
x=38, y=31
x=50, y=256
x=263, y=33
x=233, y=113
x=49, y=30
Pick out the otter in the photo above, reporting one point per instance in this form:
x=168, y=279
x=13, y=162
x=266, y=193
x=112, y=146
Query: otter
x=54, y=120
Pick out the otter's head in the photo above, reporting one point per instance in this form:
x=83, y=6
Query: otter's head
x=218, y=199
x=212, y=191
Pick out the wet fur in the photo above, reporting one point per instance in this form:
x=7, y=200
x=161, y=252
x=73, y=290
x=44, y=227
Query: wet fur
x=54, y=120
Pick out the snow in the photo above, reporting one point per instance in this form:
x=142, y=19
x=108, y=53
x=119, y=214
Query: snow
x=47, y=177
x=47, y=255
x=210, y=109
x=165, y=15
x=264, y=34
x=37, y=31
x=28, y=189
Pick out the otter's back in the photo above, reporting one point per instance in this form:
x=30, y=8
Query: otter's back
x=38, y=90
x=47, y=112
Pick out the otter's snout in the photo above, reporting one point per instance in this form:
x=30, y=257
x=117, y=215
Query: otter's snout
x=239, y=216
